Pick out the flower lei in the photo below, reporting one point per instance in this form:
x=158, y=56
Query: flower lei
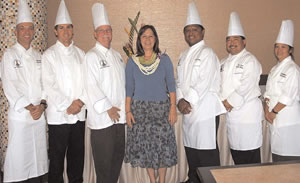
x=147, y=69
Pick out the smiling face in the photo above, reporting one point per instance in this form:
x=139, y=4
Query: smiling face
x=25, y=32
x=103, y=34
x=235, y=44
x=282, y=51
x=193, y=34
x=64, y=33
x=148, y=40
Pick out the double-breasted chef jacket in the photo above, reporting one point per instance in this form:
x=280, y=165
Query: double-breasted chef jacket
x=240, y=75
x=26, y=155
x=105, y=86
x=198, y=82
x=62, y=74
x=283, y=86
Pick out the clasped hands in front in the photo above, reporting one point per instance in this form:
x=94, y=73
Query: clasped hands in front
x=36, y=111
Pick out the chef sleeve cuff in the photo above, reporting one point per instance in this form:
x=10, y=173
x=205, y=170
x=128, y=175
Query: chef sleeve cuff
x=179, y=95
x=285, y=100
x=64, y=105
x=21, y=103
x=235, y=100
x=102, y=105
x=192, y=96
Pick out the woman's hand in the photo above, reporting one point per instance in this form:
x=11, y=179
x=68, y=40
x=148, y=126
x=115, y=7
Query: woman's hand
x=172, y=115
x=129, y=119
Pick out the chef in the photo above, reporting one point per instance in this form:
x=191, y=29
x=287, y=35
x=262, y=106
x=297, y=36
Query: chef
x=197, y=94
x=105, y=87
x=62, y=75
x=26, y=156
x=240, y=73
x=282, y=98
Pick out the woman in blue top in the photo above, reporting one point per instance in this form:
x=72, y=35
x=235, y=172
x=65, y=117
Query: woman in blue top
x=150, y=107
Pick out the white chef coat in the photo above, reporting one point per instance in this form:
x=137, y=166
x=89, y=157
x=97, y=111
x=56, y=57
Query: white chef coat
x=26, y=155
x=198, y=81
x=105, y=86
x=240, y=75
x=62, y=74
x=283, y=86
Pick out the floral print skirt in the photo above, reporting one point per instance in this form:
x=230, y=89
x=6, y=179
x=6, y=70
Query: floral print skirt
x=151, y=142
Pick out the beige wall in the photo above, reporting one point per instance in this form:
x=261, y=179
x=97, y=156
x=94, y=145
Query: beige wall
x=261, y=20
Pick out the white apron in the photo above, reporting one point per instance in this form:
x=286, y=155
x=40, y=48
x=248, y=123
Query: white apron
x=198, y=83
x=240, y=77
x=26, y=155
x=283, y=86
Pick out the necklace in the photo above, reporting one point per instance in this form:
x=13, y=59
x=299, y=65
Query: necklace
x=147, y=69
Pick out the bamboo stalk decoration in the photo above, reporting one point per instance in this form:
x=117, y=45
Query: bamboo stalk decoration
x=128, y=48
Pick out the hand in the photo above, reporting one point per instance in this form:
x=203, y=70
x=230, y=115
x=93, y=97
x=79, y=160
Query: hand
x=270, y=116
x=114, y=114
x=172, y=115
x=184, y=106
x=129, y=119
x=227, y=106
x=75, y=107
x=35, y=111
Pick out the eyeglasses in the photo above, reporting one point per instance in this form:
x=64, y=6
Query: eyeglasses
x=104, y=30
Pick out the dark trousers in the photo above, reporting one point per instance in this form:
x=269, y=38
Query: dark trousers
x=39, y=179
x=66, y=140
x=246, y=157
x=201, y=158
x=108, y=146
x=277, y=158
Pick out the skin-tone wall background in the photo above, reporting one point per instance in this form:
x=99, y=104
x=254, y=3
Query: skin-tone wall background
x=261, y=21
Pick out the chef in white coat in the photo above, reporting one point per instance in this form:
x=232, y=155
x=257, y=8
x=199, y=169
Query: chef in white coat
x=105, y=87
x=282, y=107
x=240, y=75
x=26, y=157
x=62, y=75
x=197, y=91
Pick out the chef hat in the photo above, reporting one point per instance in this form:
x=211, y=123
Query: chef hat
x=63, y=16
x=286, y=33
x=24, y=14
x=235, y=27
x=193, y=15
x=99, y=15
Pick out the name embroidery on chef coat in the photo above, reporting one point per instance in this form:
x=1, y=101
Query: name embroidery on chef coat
x=18, y=64
x=240, y=66
x=283, y=75
x=103, y=64
x=38, y=61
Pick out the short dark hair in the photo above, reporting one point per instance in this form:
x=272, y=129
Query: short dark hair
x=139, y=47
x=56, y=27
x=201, y=27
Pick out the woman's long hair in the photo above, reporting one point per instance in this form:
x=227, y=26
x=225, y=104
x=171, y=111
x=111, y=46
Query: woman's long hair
x=139, y=47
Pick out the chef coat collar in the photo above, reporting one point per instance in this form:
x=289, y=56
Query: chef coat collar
x=22, y=49
x=197, y=45
x=236, y=55
x=284, y=61
x=102, y=48
x=66, y=50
